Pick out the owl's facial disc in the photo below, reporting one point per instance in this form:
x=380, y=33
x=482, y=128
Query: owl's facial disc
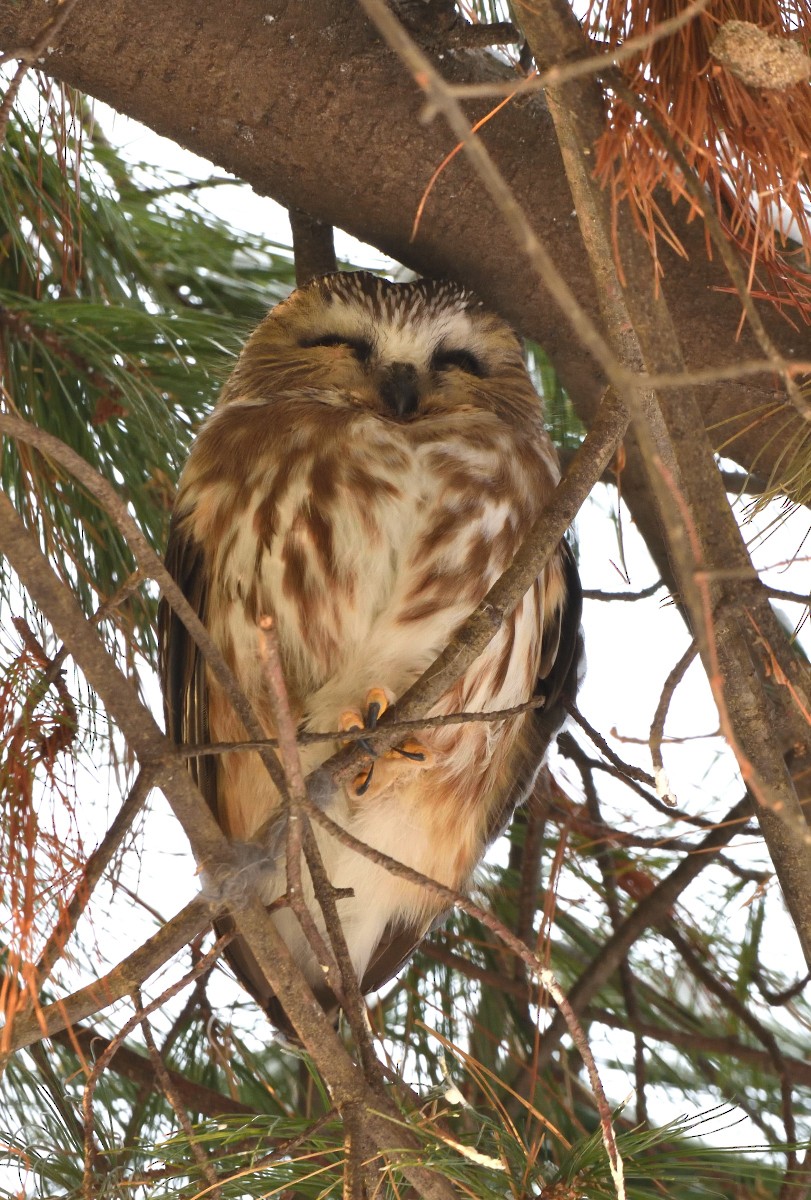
x=397, y=363
x=401, y=351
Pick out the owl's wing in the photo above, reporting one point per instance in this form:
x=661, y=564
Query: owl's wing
x=185, y=702
x=561, y=659
x=181, y=665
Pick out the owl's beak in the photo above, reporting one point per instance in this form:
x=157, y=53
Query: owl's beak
x=399, y=389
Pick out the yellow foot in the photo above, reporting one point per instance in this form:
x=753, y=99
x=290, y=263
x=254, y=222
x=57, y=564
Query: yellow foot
x=386, y=769
x=376, y=704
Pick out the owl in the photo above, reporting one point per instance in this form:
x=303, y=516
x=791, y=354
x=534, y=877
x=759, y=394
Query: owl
x=371, y=468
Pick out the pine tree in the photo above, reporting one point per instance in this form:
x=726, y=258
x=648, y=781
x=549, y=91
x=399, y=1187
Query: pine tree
x=122, y=301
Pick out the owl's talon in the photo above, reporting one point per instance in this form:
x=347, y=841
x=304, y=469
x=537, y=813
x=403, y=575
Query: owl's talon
x=376, y=704
x=360, y=784
x=350, y=719
x=412, y=750
x=386, y=769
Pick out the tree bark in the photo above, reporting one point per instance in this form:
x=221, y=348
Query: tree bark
x=306, y=104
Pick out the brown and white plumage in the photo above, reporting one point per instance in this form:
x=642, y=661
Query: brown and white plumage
x=371, y=468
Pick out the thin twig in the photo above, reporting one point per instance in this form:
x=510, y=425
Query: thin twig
x=344, y=984
x=662, y=381
x=733, y=1004
x=602, y=745
x=775, y=793
x=777, y=999
x=700, y=1041
x=140, y=1105
x=657, y=729
x=312, y=738
x=644, y=594
x=273, y=677
x=610, y=869
x=535, y=813
x=791, y=597
x=94, y=868
x=565, y=1009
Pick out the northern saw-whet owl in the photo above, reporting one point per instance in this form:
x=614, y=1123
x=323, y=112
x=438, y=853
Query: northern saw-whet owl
x=371, y=468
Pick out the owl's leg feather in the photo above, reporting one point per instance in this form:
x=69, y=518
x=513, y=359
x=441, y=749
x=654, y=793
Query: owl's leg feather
x=252, y=871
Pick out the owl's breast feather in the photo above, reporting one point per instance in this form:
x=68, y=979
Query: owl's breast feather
x=369, y=541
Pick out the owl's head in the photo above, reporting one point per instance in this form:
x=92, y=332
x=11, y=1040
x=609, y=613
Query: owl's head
x=401, y=350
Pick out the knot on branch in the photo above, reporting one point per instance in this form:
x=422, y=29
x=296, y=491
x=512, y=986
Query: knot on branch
x=493, y=614
x=760, y=59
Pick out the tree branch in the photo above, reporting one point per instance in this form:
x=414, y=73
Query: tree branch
x=647, y=913
x=119, y=982
x=138, y=1069
x=700, y=529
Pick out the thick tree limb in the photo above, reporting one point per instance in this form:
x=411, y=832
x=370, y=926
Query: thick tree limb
x=310, y=108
